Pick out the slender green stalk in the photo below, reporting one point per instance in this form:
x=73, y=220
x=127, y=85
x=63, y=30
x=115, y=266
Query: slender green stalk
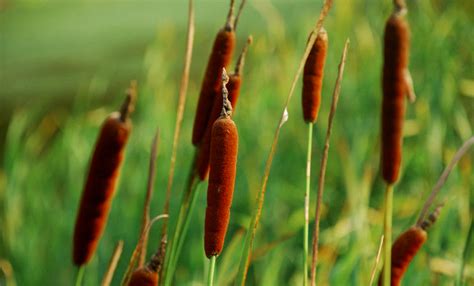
x=306, y=205
x=465, y=253
x=187, y=200
x=324, y=162
x=387, y=232
x=212, y=267
x=80, y=275
x=187, y=220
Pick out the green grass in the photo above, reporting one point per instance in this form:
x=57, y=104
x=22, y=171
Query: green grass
x=64, y=67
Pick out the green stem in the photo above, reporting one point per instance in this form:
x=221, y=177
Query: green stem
x=212, y=266
x=466, y=253
x=187, y=220
x=388, y=235
x=306, y=205
x=80, y=275
x=187, y=206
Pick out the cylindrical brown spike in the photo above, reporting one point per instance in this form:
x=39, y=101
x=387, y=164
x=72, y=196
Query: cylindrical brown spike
x=220, y=57
x=396, y=46
x=233, y=87
x=143, y=276
x=100, y=185
x=313, y=77
x=224, y=146
x=404, y=250
x=223, y=162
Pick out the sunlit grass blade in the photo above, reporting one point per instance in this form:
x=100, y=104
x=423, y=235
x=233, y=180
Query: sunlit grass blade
x=148, y=196
x=109, y=274
x=181, y=104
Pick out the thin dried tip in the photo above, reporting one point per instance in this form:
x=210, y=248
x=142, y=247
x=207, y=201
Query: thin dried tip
x=241, y=61
x=400, y=7
x=226, y=105
x=158, y=258
x=431, y=219
x=229, y=24
x=238, y=13
x=128, y=106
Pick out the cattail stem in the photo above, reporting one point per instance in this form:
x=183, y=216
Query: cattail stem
x=377, y=259
x=148, y=196
x=129, y=104
x=444, y=176
x=324, y=161
x=306, y=205
x=238, y=13
x=80, y=275
x=212, y=266
x=180, y=111
x=109, y=274
x=387, y=232
x=186, y=221
x=466, y=251
x=187, y=202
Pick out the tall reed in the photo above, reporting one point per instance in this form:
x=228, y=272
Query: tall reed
x=394, y=85
x=311, y=101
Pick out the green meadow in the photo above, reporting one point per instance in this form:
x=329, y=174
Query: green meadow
x=65, y=65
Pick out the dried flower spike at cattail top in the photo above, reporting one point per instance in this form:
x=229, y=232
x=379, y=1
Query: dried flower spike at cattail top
x=313, y=77
x=224, y=146
x=101, y=180
x=220, y=57
x=396, y=49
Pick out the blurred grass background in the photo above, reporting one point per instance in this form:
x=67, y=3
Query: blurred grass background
x=64, y=65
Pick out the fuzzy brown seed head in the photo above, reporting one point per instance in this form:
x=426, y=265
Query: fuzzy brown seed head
x=100, y=187
x=223, y=159
x=220, y=57
x=143, y=277
x=396, y=45
x=313, y=77
x=404, y=250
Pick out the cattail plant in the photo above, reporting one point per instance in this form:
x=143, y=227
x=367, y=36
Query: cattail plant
x=395, y=87
x=101, y=180
x=233, y=87
x=220, y=57
x=311, y=100
x=149, y=275
x=223, y=159
x=406, y=246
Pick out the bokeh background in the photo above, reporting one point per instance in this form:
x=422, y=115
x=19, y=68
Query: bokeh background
x=64, y=65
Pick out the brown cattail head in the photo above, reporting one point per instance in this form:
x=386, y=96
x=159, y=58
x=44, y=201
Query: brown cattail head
x=404, y=250
x=144, y=276
x=233, y=90
x=149, y=275
x=224, y=147
x=313, y=77
x=220, y=57
x=100, y=184
x=396, y=46
x=407, y=246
